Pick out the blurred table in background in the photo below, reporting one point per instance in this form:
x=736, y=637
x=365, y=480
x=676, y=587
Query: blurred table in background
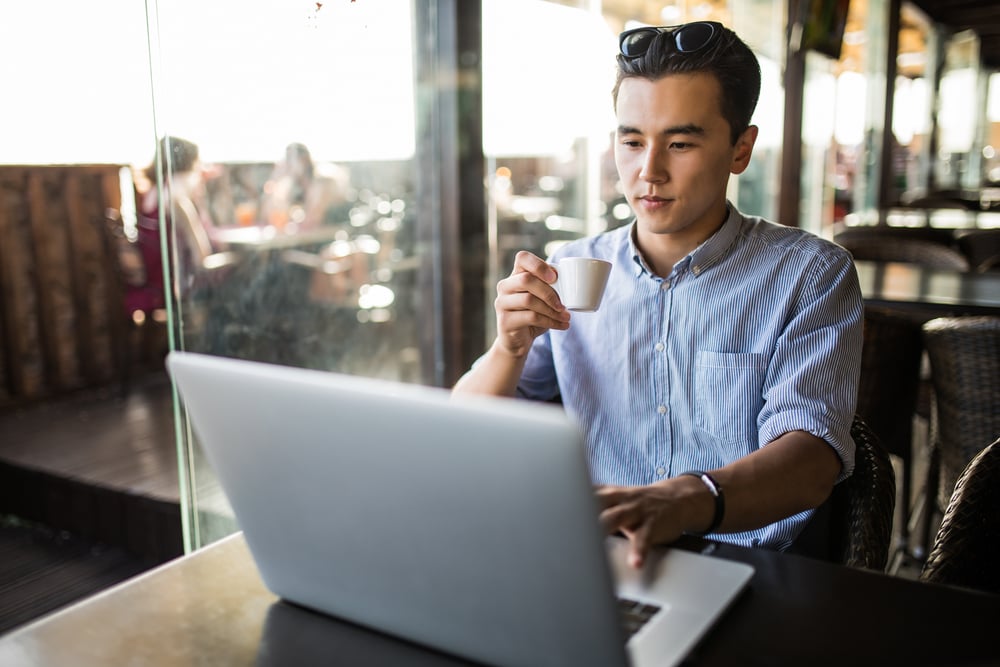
x=936, y=292
x=272, y=238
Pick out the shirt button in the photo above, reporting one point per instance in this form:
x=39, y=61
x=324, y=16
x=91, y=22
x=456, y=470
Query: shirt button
x=665, y=285
x=659, y=347
x=662, y=409
x=661, y=471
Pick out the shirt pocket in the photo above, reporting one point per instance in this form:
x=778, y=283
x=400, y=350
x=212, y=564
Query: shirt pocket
x=729, y=394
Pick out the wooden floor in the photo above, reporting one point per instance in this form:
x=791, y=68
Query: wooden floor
x=89, y=495
x=43, y=569
x=125, y=442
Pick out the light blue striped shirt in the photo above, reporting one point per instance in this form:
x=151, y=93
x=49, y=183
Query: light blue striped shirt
x=755, y=333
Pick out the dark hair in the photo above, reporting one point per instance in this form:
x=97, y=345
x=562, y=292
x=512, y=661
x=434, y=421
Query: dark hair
x=299, y=151
x=176, y=155
x=727, y=58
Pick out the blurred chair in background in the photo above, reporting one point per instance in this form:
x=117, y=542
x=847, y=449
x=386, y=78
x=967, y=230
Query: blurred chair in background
x=964, y=355
x=864, y=504
x=982, y=248
x=854, y=526
x=965, y=549
x=991, y=264
x=888, y=390
x=881, y=247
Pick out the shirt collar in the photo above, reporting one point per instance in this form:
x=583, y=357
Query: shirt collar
x=709, y=253
x=718, y=245
x=638, y=263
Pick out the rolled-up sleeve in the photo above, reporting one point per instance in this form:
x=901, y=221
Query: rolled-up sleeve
x=812, y=379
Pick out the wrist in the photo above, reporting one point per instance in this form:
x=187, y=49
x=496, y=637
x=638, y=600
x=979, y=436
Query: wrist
x=510, y=350
x=718, y=500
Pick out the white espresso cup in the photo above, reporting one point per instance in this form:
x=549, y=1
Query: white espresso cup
x=581, y=282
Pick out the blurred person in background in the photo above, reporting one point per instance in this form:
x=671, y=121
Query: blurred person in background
x=305, y=193
x=176, y=168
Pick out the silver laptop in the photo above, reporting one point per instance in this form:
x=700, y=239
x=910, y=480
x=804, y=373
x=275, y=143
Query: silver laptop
x=465, y=524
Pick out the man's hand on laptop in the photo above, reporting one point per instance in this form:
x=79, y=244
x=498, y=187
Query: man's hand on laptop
x=655, y=514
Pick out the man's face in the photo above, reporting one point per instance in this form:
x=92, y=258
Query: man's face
x=674, y=156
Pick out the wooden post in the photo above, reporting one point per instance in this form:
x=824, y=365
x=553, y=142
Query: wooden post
x=790, y=191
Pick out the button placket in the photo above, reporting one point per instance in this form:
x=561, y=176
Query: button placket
x=665, y=445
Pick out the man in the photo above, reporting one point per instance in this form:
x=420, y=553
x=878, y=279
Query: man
x=717, y=383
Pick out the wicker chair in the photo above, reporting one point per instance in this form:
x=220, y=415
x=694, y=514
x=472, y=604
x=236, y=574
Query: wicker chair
x=893, y=248
x=981, y=247
x=989, y=264
x=854, y=526
x=965, y=549
x=889, y=387
x=964, y=356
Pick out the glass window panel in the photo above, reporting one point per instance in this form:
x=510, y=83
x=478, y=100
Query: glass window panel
x=72, y=95
x=843, y=116
x=913, y=100
x=956, y=161
x=991, y=152
x=547, y=122
x=293, y=237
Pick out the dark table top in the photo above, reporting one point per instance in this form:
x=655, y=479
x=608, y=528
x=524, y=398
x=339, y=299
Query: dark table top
x=210, y=608
x=913, y=286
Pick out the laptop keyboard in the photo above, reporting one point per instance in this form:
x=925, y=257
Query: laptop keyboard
x=634, y=615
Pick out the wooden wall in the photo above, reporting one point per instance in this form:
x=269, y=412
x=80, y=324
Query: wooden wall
x=62, y=321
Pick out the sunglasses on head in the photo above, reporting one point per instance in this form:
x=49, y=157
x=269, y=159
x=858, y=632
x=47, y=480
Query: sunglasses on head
x=687, y=38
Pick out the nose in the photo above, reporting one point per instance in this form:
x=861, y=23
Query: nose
x=654, y=166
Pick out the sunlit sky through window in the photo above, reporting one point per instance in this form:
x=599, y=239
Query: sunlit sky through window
x=75, y=82
x=243, y=78
x=548, y=71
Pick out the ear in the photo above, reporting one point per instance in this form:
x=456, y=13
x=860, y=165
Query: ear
x=743, y=150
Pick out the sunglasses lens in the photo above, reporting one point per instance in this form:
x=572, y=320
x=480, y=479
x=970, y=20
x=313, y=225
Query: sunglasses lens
x=693, y=36
x=687, y=38
x=636, y=43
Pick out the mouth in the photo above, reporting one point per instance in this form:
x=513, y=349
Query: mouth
x=654, y=202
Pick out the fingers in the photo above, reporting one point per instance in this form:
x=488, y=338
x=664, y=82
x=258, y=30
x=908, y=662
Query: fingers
x=630, y=522
x=609, y=496
x=527, y=262
x=529, y=286
x=527, y=305
x=620, y=513
x=524, y=301
x=625, y=512
x=639, y=545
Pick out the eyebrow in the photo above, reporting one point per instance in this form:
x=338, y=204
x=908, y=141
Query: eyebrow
x=689, y=129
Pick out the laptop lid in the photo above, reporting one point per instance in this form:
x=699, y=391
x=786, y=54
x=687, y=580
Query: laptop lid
x=464, y=524
x=467, y=524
